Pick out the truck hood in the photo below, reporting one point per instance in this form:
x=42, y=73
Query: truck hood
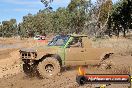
x=28, y=50
x=40, y=49
x=43, y=50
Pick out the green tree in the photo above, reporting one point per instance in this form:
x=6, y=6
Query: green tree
x=120, y=18
x=9, y=28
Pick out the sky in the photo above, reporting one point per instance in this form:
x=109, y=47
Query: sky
x=18, y=8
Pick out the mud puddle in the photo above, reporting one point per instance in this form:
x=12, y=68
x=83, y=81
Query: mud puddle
x=10, y=46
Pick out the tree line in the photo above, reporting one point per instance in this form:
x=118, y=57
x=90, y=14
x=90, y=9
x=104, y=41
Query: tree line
x=80, y=16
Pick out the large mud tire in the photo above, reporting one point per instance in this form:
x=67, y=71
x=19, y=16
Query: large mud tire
x=49, y=67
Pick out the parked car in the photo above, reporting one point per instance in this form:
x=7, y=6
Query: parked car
x=39, y=37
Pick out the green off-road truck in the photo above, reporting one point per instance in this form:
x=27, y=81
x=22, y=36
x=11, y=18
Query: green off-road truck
x=63, y=50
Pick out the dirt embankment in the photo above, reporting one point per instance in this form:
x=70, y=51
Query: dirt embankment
x=10, y=64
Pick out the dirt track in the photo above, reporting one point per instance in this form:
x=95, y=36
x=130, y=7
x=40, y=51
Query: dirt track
x=12, y=76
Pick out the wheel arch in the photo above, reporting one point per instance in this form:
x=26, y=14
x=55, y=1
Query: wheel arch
x=56, y=56
x=106, y=55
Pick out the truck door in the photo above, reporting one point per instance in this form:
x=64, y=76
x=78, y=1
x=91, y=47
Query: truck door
x=74, y=54
x=92, y=55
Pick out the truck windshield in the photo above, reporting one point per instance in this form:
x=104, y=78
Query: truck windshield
x=59, y=40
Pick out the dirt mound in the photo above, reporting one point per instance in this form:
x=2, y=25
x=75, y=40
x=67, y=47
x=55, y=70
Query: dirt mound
x=10, y=65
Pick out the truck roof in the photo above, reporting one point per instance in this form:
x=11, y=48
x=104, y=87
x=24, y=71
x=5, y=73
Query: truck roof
x=73, y=35
x=78, y=35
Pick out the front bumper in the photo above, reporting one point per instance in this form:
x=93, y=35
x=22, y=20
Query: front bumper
x=28, y=55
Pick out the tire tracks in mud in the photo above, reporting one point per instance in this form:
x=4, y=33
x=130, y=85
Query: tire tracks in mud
x=64, y=80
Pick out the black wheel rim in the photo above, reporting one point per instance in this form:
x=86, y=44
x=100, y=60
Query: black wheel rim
x=49, y=68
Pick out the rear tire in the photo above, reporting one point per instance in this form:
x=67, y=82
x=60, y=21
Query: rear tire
x=49, y=67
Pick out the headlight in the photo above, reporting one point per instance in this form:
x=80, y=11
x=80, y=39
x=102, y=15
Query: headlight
x=28, y=55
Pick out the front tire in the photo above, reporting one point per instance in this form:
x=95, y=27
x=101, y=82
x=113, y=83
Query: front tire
x=49, y=67
x=27, y=69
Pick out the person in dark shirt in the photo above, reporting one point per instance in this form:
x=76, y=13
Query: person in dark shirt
x=77, y=44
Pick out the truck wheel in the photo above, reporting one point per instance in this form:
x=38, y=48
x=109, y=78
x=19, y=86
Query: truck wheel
x=27, y=69
x=49, y=67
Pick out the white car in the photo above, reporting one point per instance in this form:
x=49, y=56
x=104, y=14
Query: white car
x=37, y=37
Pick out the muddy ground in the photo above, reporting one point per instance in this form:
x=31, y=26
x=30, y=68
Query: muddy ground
x=12, y=76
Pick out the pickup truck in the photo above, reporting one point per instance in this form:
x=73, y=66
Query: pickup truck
x=61, y=51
